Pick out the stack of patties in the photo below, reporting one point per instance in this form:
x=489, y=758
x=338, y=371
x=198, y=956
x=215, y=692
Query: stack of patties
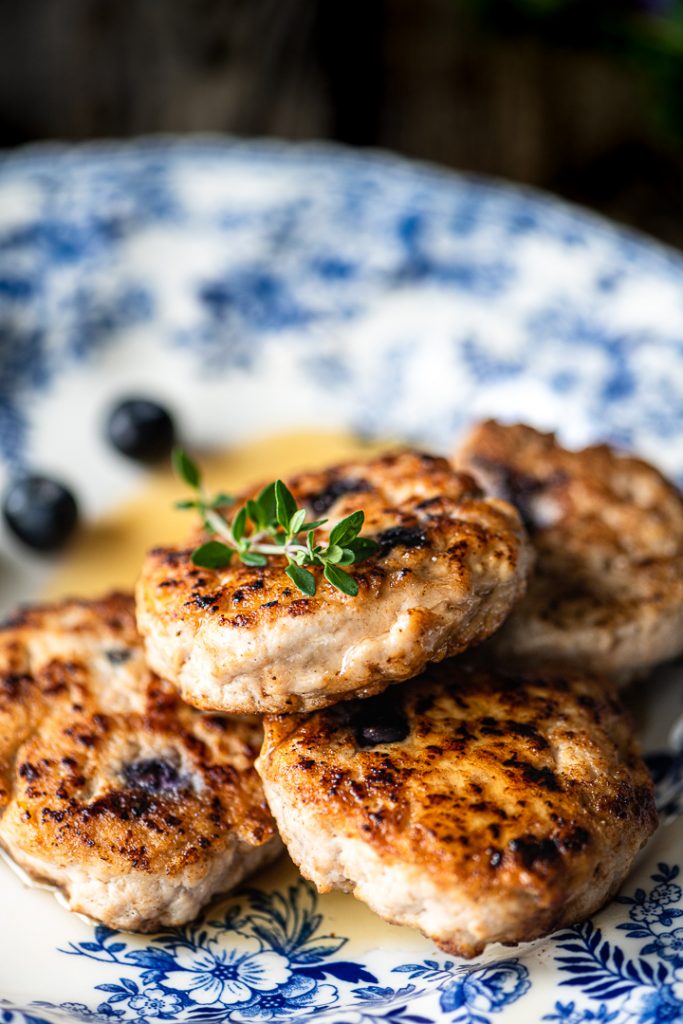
x=474, y=802
x=486, y=797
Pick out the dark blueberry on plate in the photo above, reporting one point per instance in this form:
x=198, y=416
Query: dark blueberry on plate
x=141, y=429
x=41, y=512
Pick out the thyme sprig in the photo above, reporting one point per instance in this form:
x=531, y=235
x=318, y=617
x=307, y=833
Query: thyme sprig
x=273, y=524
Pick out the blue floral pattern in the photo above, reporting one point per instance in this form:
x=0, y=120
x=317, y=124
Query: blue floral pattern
x=277, y=970
x=646, y=988
x=13, y=1015
x=381, y=280
x=266, y=959
x=473, y=994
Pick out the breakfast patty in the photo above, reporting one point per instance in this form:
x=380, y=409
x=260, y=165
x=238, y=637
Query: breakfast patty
x=607, y=528
x=136, y=806
x=449, y=567
x=474, y=805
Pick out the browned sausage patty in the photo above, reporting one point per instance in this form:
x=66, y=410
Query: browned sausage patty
x=607, y=591
x=136, y=806
x=476, y=806
x=450, y=566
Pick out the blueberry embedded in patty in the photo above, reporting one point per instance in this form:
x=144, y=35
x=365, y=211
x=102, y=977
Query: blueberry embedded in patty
x=371, y=734
x=375, y=720
x=118, y=656
x=40, y=511
x=141, y=429
x=153, y=774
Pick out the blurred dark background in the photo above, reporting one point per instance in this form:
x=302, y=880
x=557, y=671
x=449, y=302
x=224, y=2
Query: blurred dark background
x=583, y=98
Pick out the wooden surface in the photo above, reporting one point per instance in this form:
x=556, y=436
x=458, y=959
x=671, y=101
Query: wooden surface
x=416, y=77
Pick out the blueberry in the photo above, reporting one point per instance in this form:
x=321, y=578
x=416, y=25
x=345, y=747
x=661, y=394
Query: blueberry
x=141, y=429
x=41, y=512
x=372, y=734
x=156, y=775
x=375, y=720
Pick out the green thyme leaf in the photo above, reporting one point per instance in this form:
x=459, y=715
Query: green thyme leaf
x=277, y=528
x=334, y=554
x=239, y=524
x=222, y=500
x=285, y=504
x=347, y=529
x=341, y=580
x=362, y=547
x=302, y=579
x=252, y=558
x=186, y=468
x=314, y=525
x=255, y=513
x=267, y=504
x=212, y=555
x=297, y=521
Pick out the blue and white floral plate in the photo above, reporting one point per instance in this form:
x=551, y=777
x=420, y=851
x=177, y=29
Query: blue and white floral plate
x=258, y=287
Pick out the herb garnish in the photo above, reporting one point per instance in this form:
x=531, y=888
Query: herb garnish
x=272, y=524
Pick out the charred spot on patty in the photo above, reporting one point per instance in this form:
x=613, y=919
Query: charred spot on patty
x=543, y=777
x=11, y=683
x=400, y=536
x=203, y=600
x=324, y=500
x=533, y=852
x=122, y=804
x=519, y=488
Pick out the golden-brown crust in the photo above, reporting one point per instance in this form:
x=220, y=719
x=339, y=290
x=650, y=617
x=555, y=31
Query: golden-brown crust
x=451, y=563
x=247, y=597
x=518, y=800
x=607, y=529
x=102, y=766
